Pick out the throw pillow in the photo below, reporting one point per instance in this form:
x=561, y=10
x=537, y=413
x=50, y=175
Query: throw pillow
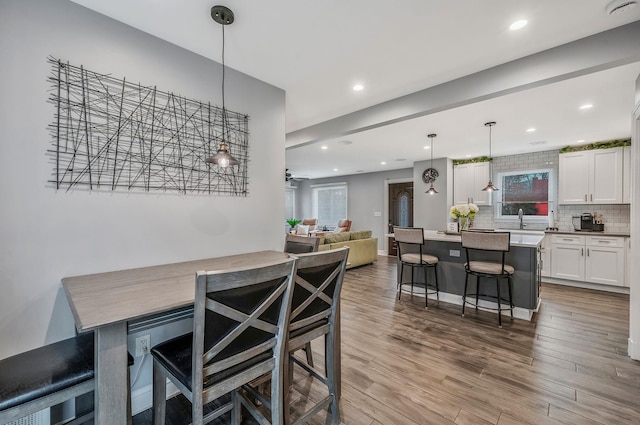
x=302, y=230
x=339, y=229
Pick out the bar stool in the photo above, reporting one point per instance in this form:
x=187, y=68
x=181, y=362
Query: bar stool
x=477, y=246
x=407, y=237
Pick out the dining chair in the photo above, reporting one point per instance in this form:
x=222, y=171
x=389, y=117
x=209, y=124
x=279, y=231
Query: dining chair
x=478, y=247
x=239, y=334
x=314, y=308
x=410, y=242
x=295, y=244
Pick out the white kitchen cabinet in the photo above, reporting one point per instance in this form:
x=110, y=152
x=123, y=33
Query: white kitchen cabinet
x=568, y=257
x=545, y=256
x=593, y=259
x=468, y=182
x=591, y=177
x=626, y=175
x=605, y=260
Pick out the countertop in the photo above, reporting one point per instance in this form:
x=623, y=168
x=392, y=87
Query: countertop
x=573, y=232
x=528, y=240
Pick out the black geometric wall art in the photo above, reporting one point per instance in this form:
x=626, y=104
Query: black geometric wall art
x=112, y=135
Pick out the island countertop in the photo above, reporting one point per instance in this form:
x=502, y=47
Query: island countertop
x=530, y=239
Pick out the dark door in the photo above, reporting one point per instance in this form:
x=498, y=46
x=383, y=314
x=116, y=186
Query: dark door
x=400, y=209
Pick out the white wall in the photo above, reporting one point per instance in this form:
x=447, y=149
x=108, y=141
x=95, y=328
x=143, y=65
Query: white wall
x=47, y=234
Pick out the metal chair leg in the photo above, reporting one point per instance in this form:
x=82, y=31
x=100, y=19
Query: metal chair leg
x=412, y=279
x=477, y=290
x=400, y=281
x=499, y=304
x=464, y=293
x=435, y=272
x=510, y=283
x=426, y=287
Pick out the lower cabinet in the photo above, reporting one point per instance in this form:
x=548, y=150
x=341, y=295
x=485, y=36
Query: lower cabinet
x=545, y=257
x=593, y=259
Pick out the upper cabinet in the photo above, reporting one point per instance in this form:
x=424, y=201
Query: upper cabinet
x=591, y=177
x=468, y=182
x=626, y=175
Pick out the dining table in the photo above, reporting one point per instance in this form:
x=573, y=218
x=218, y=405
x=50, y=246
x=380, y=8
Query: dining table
x=110, y=303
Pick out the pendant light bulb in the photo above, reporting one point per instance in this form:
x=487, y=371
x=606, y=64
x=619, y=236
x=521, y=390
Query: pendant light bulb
x=432, y=190
x=490, y=187
x=223, y=158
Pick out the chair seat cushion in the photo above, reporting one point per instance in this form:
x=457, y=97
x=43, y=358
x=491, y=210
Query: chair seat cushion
x=489, y=267
x=175, y=356
x=415, y=259
x=45, y=370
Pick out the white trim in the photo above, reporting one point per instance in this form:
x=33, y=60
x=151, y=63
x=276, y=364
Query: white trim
x=385, y=215
x=633, y=350
x=518, y=312
x=586, y=285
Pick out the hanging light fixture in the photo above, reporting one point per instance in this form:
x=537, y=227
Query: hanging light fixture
x=223, y=158
x=490, y=187
x=432, y=171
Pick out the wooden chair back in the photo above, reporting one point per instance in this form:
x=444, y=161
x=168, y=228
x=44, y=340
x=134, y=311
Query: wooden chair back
x=241, y=315
x=295, y=244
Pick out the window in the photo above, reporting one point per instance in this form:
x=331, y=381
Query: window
x=532, y=191
x=329, y=203
x=289, y=203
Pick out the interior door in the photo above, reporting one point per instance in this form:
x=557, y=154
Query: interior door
x=400, y=209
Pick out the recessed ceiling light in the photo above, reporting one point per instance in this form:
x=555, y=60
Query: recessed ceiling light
x=580, y=141
x=518, y=25
x=324, y=148
x=358, y=87
x=531, y=130
x=359, y=171
x=586, y=106
x=621, y=6
x=401, y=159
x=335, y=169
x=467, y=156
x=427, y=147
x=345, y=142
x=383, y=163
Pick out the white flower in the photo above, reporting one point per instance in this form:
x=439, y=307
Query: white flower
x=463, y=210
x=474, y=208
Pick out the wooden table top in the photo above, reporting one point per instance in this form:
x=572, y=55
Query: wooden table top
x=107, y=298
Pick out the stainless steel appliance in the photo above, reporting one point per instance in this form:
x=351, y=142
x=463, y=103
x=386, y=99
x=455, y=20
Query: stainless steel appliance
x=586, y=223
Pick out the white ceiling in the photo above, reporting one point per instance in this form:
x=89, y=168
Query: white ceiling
x=317, y=50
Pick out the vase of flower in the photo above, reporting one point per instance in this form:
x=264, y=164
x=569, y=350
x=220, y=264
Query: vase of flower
x=463, y=214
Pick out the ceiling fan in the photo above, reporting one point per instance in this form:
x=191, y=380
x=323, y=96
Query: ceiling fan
x=290, y=177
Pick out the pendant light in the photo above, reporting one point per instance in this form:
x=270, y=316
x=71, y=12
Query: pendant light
x=432, y=190
x=490, y=187
x=223, y=158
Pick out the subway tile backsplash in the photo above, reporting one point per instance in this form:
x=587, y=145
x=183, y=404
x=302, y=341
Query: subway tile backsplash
x=616, y=217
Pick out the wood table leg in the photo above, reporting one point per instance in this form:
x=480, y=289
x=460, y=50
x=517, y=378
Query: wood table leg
x=111, y=374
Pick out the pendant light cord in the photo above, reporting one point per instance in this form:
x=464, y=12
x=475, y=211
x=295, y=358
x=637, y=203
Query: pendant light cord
x=224, y=112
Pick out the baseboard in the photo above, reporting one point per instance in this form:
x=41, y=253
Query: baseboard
x=587, y=285
x=142, y=398
x=518, y=312
x=634, y=350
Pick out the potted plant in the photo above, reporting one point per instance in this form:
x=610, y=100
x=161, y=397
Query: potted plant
x=293, y=222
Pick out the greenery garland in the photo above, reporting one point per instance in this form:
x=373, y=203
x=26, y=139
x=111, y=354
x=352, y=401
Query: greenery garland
x=597, y=145
x=472, y=160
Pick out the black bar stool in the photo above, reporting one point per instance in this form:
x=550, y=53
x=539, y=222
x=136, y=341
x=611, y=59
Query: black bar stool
x=407, y=237
x=476, y=245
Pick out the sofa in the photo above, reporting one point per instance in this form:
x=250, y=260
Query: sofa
x=363, y=249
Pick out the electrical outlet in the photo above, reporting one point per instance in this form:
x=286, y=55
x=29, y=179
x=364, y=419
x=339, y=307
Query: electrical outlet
x=143, y=345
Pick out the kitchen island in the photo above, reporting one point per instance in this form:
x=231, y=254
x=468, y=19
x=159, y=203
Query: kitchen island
x=523, y=256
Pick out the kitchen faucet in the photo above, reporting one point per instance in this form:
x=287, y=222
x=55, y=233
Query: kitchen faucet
x=521, y=218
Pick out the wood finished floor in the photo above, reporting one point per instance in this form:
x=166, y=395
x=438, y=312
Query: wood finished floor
x=404, y=365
